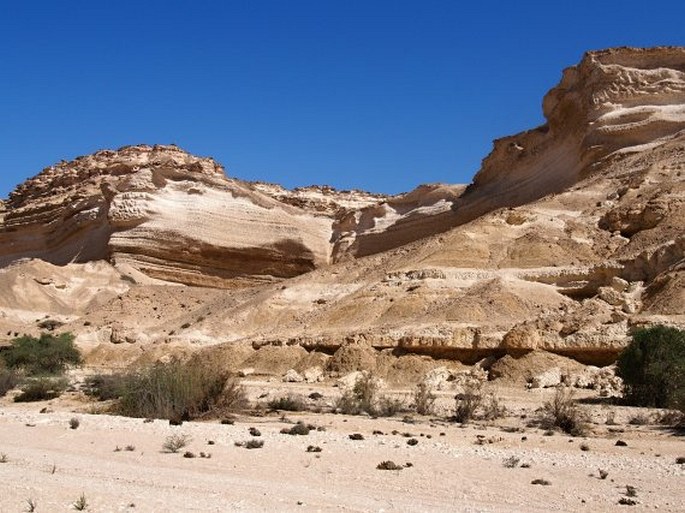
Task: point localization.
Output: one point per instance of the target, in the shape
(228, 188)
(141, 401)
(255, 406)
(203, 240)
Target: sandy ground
(51, 464)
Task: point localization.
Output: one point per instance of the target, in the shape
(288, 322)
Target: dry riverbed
(118, 464)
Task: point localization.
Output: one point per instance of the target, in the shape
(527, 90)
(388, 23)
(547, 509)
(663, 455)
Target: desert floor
(118, 464)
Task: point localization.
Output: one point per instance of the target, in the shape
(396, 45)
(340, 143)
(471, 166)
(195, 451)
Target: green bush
(653, 368)
(178, 391)
(41, 389)
(47, 355)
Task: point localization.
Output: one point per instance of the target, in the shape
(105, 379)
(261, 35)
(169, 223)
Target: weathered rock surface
(164, 212)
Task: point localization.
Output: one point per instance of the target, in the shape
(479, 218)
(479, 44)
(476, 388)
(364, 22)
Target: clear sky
(379, 95)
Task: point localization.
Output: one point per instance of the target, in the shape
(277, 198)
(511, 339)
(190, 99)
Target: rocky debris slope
(164, 212)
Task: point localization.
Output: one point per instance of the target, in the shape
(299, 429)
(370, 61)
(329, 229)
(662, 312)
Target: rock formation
(164, 212)
(570, 236)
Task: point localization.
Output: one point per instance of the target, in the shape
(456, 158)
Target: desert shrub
(104, 387)
(389, 465)
(563, 413)
(298, 429)
(74, 423)
(41, 389)
(468, 402)
(80, 504)
(254, 444)
(47, 355)
(493, 408)
(361, 398)
(287, 403)
(175, 443)
(364, 397)
(178, 391)
(9, 378)
(424, 399)
(511, 462)
(542, 482)
(653, 368)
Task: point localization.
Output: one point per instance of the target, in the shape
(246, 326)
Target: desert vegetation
(46, 355)
(653, 368)
(176, 390)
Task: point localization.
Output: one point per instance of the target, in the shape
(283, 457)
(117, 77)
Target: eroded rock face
(614, 101)
(164, 212)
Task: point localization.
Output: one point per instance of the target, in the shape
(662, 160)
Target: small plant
(542, 482)
(620, 443)
(364, 397)
(356, 436)
(3, 457)
(314, 448)
(631, 491)
(254, 444)
(74, 423)
(412, 442)
(255, 432)
(468, 402)
(563, 413)
(511, 462)
(175, 443)
(603, 474)
(680, 460)
(130, 448)
(584, 447)
(493, 408)
(31, 505)
(188, 454)
(300, 428)
(625, 501)
(389, 465)
(81, 504)
(41, 389)
(424, 399)
(287, 403)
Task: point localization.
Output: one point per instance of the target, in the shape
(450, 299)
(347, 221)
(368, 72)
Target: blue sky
(378, 95)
